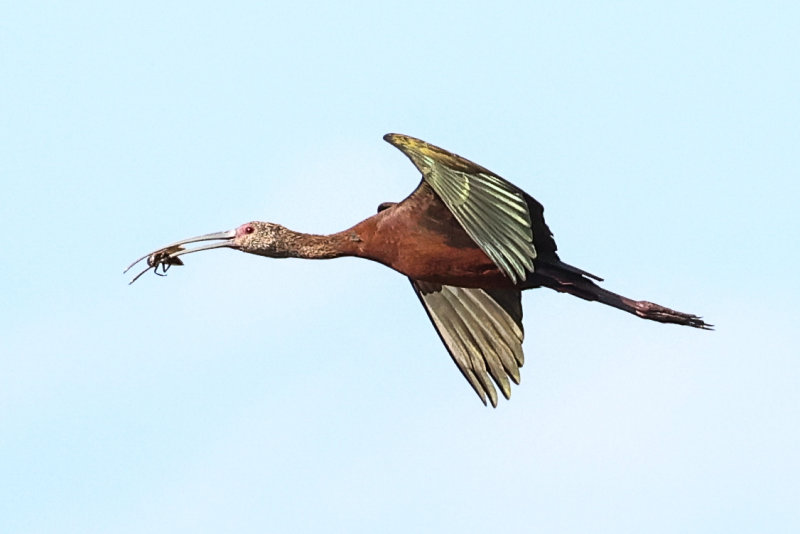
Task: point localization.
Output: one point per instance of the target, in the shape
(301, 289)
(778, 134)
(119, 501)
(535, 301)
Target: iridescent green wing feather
(491, 210)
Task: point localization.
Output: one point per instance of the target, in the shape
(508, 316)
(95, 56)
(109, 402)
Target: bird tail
(568, 279)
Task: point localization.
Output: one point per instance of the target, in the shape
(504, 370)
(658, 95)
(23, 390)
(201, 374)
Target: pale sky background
(242, 394)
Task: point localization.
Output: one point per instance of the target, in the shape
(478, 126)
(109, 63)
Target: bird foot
(655, 312)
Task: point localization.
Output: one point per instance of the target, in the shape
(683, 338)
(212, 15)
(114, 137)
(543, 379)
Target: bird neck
(319, 247)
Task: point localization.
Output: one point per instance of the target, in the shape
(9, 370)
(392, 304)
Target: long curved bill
(168, 256)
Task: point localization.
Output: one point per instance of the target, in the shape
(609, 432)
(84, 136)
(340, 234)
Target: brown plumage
(470, 243)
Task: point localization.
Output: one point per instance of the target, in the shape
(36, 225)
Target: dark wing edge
(481, 329)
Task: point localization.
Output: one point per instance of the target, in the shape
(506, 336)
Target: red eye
(249, 230)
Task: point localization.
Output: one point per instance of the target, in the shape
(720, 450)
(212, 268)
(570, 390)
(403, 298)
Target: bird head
(262, 238)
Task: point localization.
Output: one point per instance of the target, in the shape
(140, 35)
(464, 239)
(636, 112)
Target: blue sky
(241, 394)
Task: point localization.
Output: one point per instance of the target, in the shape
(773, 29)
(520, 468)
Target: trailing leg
(567, 279)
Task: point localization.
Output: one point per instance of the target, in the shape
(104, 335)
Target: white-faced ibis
(470, 243)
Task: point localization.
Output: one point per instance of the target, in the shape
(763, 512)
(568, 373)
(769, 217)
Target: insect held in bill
(160, 258)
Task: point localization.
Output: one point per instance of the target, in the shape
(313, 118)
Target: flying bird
(468, 240)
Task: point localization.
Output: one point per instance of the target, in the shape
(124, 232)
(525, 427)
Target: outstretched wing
(482, 330)
(493, 212)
